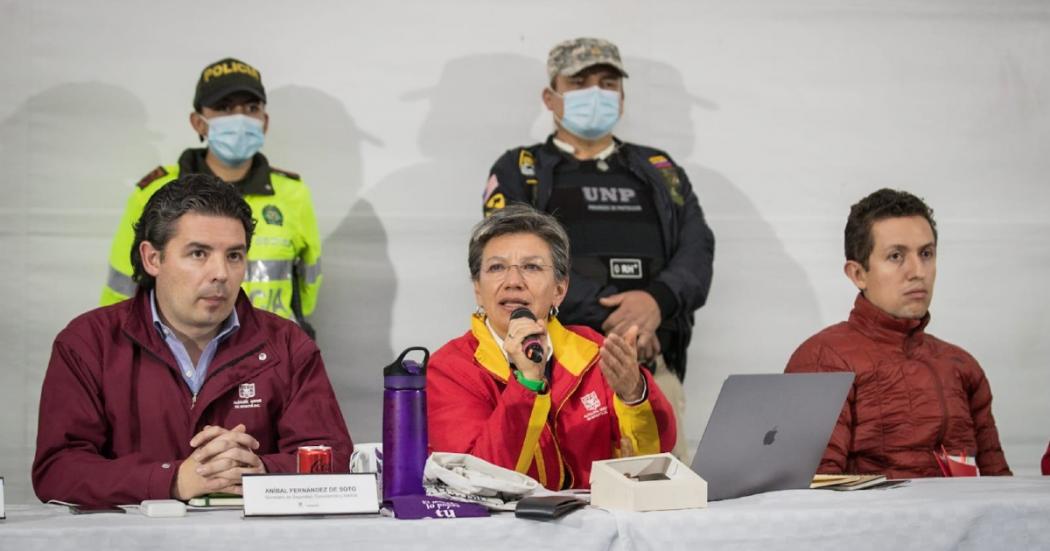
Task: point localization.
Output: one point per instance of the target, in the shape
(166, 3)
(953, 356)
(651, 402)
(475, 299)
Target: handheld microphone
(530, 345)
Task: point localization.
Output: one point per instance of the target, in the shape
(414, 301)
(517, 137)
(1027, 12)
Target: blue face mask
(590, 113)
(235, 138)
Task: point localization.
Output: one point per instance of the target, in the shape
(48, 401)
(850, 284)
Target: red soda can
(314, 459)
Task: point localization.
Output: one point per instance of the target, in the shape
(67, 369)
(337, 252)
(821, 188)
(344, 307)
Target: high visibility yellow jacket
(285, 250)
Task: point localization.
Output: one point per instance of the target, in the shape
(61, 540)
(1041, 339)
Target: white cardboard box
(657, 482)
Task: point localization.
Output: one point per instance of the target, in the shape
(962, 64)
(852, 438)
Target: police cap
(228, 76)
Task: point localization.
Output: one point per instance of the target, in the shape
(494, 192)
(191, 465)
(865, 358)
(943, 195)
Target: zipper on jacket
(554, 422)
(211, 374)
(142, 346)
(940, 393)
(561, 462)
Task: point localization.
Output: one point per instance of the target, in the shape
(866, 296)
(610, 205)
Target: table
(989, 513)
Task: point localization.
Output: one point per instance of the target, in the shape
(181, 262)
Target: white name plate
(2, 515)
(309, 494)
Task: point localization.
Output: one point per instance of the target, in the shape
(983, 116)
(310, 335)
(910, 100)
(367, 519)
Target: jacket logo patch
(526, 163)
(674, 184)
(669, 172)
(611, 199)
(247, 399)
(594, 406)
(496, 202)
(625, 268)
(273, 215)
(659, 161)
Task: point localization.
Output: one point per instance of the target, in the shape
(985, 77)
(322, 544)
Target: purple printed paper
(419, 506)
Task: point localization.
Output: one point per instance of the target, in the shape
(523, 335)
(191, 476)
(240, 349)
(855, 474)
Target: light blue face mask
(235, 138)
(590, 113)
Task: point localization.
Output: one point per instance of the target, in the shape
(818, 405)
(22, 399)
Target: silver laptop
(768, 432)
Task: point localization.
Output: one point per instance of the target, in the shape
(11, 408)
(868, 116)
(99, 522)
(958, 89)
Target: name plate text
(309, 494)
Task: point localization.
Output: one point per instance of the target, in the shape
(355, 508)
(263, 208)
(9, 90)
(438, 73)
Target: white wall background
(783, 114)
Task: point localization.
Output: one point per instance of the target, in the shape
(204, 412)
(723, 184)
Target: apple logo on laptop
(770, 436)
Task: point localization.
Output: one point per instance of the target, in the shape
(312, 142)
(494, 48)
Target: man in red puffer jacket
(913, 392)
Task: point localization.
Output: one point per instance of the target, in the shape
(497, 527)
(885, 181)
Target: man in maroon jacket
(183, 388)
(913, 393)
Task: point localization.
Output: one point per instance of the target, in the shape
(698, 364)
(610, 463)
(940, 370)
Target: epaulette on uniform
(285, 173)
(148, 179)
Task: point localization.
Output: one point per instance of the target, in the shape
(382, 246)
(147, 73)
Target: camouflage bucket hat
(572, 56)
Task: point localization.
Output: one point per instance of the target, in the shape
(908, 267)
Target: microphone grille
(522, 312)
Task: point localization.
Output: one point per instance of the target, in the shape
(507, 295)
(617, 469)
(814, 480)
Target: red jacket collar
(139, 326)
(574, 352)
(877, 325)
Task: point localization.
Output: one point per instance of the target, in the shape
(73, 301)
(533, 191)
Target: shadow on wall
(312, 133)
(78, 147)
(758, 289)
(70, 155)
(478, 109)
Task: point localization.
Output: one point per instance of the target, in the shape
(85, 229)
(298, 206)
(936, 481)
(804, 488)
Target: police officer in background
(284, 262)
(641, 251)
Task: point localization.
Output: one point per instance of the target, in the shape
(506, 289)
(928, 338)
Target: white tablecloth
(990, 513)
(928, 515)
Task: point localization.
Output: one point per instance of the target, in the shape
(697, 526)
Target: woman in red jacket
(528, 393)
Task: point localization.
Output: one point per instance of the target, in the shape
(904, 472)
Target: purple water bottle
(404, 425)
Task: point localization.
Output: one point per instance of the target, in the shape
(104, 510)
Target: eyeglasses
(499, 270)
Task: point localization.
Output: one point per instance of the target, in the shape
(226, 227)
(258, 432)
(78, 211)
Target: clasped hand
(216, 465)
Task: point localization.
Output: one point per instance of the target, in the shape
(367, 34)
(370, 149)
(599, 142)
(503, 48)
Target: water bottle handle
(426, 355)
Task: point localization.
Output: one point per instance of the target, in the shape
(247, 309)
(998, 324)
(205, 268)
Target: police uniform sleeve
(309, 258)
(683, 284)
(119, 284)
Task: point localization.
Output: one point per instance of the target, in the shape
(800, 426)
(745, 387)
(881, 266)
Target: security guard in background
(284, 260)
(641, 251)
